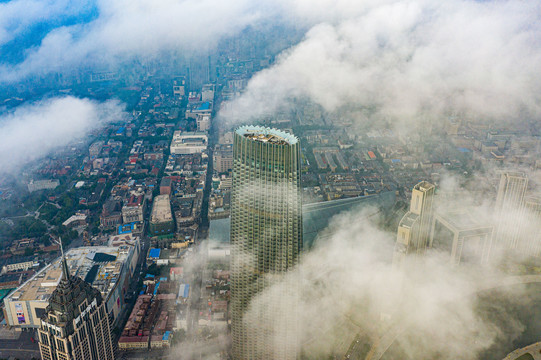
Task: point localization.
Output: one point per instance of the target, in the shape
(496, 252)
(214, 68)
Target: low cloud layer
(404, 60)
(34, 130)
(123, 29)
(348, 287)
(17, 16)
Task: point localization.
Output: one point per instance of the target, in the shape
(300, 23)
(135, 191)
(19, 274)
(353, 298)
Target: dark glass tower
(266, 239)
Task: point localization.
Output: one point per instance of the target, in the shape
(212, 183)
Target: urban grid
(270, 181)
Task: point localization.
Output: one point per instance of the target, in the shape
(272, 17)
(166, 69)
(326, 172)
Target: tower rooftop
(267, 135)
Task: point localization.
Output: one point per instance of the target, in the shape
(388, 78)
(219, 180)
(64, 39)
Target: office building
(207, 92)
(414, 228)
(462, 236)
(203, 122)
(188, 142)
(266, 239)
(510, 209)
(75, 324)
(109, 269)
(223, 158)
(530, 236)
(179, 84)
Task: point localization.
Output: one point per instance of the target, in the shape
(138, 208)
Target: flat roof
(154, 253)
(463, 220)
(161, 209)
(81, 263)
(267, 135)
(424, 186)
(408, 219)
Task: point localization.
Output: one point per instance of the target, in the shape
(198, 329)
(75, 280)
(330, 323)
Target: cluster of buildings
(217, 293)
(466, 234)
(126, 208)
(151, 322)
(108, 269)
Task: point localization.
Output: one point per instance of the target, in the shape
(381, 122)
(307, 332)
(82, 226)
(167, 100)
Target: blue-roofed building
(186, 291)
(154, 254)
(204, 106)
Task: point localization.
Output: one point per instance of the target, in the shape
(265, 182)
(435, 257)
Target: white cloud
(139, 28)
(16, 16)
(349, 287)
(34, 130)
(411, 59)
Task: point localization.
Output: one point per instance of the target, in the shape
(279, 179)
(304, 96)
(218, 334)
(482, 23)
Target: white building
(36, 185)
(207, 93)
(188, 142)
(203, 122)
(19, 266)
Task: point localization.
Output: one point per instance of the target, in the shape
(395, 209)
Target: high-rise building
(530, 236)
(510, 208)
(414, 228)
(462, 235)
(223, 158)
(266, 239)
(75, 324)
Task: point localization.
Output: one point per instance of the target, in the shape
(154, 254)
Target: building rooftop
(423, 186)
(99, 265)
(267, 135)
(464, 220)
(161, 210)
(408, 220)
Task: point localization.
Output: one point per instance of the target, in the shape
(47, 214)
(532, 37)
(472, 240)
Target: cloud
(17, 16)
(347, 286)
(403, 60)
(137, 28)
(34, 130)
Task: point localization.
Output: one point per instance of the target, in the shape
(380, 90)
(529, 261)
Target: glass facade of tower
(266, 239)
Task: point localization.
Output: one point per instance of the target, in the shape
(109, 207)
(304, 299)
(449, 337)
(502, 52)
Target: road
(22, 348)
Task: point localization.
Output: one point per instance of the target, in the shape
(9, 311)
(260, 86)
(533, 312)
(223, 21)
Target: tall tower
(530, 234)
(510, 208)
(75, 324)
(414, 228)
(266, 239)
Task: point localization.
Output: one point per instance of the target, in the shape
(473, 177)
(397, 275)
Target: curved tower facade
(266, 239)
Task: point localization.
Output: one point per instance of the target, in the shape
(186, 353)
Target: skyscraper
(510, 208)
(266, 239)
(530, 236)
(75, 324)
(414, 228)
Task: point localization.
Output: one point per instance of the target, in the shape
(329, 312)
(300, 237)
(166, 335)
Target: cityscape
(232, 180)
